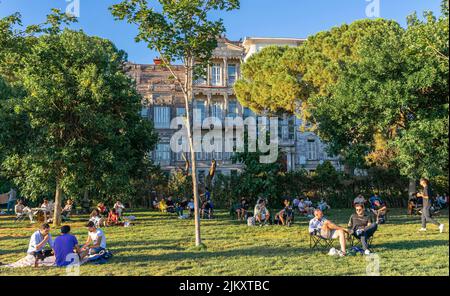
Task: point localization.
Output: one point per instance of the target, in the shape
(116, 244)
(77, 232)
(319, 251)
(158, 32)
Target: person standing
(426, 214)
(11, 201)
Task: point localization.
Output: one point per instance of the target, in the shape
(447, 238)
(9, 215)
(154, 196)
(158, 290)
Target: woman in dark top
(426, 214)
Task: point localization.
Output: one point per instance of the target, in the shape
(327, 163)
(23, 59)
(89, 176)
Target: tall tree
(180, 30)
(82, 111)
(398, 91)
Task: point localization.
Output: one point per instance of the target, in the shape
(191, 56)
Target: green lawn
(161, 244)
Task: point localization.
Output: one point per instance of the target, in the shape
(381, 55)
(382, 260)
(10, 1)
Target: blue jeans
(366, 234)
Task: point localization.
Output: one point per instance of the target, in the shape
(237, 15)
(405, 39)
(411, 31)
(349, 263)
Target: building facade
(214, 97)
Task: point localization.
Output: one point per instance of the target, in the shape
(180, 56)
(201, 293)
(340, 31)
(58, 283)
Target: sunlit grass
(161, 244)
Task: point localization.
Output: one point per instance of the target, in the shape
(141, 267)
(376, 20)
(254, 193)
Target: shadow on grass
(409, 245)
(266, 252)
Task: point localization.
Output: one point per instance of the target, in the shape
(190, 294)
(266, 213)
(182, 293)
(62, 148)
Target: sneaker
(441, 228)
(367, 252)
(423, 229)
(341, 254)
(332, 252)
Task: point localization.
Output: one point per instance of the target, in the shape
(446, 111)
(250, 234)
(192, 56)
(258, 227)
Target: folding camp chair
(356, 241)
(20, 217)
(316, 241)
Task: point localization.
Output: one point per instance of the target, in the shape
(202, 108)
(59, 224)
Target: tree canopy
(78, 122)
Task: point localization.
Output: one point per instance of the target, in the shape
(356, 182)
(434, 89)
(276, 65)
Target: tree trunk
(58, 203)
(411, 187)
(187, 99)
(85, 202)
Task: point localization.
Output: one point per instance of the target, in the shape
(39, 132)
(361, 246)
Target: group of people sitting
(168, 205)
(262, 215)
(362, 225)
(415, 203)
(65, 249)
(44, 213)
(101, 216)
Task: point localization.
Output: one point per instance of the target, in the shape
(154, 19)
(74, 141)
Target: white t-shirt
(94, 237)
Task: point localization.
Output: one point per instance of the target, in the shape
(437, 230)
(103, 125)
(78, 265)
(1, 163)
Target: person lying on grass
(362, 227)
(38, 241)
(328, 230)
(96, 241)
(66, 248)
(261, 213)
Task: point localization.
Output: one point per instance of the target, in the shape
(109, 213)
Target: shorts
(331, 234)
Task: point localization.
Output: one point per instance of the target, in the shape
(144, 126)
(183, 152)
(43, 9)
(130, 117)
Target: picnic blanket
(28, 261)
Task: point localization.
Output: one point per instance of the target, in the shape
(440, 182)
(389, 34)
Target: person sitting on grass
(180, 207)
(362, 226)
(119, 207)
(286, 215)
(191, 207)
(162, 205)
(378, 208)
(242, 209)
(96, 218)
(102, 210)
(38, 241)
(328, 230)
(20, 209)
(66, 247)
(359, 200)
(261, 213)
(170, 205)
(67, 209)
(207, 208)
(96, 241)
(323, 206)
(113, 218)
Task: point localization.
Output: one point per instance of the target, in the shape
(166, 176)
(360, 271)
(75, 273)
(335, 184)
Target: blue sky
(259, 18)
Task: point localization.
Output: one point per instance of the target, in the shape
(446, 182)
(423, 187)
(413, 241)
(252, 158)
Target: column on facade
(225, 107)
(225, 72)
(208, 75)
(208, 105)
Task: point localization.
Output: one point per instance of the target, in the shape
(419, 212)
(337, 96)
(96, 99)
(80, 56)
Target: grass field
(161, 244)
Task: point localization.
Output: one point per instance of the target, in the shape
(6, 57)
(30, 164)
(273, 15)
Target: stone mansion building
(214, 96)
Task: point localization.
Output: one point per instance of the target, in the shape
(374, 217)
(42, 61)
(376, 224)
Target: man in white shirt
(96, 241)
(38, 241)
(20, 209)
